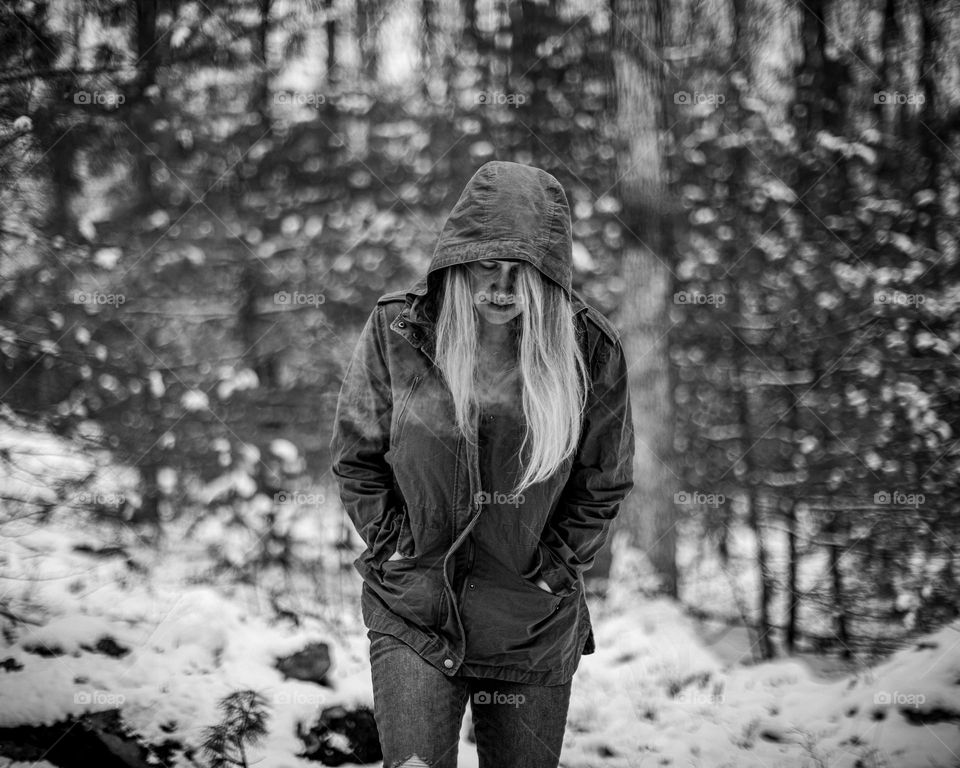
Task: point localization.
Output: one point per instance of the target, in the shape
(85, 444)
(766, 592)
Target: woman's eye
(488, 264)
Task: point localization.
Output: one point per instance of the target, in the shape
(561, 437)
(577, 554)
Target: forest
(202, 200)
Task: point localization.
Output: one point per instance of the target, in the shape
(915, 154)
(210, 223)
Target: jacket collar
(418, 329)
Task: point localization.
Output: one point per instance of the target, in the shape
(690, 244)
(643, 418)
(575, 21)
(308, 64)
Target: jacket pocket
(512, 622)
(538, 562)
(533, 574)
(406, 546)
(410, 591)
(400, 420)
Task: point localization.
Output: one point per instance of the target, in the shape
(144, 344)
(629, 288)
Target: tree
(637, 49)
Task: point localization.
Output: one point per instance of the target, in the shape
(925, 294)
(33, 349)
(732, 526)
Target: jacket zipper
(466, 576)
(463, 534)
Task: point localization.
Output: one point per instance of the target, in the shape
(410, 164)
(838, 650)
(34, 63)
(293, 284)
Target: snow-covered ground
(654, 693)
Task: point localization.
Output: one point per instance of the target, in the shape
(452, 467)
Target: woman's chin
(497, 316)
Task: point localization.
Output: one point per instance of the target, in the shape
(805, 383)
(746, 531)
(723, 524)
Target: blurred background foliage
(201, 201)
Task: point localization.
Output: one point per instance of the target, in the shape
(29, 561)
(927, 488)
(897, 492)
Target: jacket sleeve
(600, 478)
(361, 437)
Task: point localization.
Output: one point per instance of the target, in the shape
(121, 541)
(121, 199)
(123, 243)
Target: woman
(483, 443)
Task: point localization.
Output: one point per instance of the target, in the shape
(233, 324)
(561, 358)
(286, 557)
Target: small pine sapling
(244, 724)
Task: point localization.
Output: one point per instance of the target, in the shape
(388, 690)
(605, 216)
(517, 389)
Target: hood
(510, 210)
(506, 210)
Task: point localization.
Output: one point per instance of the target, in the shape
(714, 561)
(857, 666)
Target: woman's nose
(505, 277)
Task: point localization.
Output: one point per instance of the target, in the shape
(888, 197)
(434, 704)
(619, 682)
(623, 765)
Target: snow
(235, 482)
(30, 458)
(195, 400)
(653, 688)
(583, 261)
(775, 713)
(232, 380)
(658, 690)
(68, 633)
(157, 388)
(284, 450)
(107, 258)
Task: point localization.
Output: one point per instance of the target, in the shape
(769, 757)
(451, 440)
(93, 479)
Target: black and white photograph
(480, 383)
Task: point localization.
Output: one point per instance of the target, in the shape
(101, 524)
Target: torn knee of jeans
(414, 761)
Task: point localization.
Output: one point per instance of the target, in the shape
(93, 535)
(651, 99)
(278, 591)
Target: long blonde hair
(552, 369)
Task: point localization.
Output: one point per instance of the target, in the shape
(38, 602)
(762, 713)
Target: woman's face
(492, 282)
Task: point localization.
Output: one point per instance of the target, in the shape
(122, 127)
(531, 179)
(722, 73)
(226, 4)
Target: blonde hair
(553, 372)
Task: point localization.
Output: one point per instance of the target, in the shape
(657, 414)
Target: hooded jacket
(411, 484)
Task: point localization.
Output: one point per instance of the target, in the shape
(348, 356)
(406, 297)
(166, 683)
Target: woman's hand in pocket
(543, 585)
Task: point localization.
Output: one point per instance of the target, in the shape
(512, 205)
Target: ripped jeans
(419, 711)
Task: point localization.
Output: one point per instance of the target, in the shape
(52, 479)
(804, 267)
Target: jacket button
(448, 663)
(401, 324)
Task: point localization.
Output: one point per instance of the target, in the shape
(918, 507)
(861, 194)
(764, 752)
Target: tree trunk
(367, 30)
(331, 26)
(649, 518)
(141, 113)
(263, 78)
